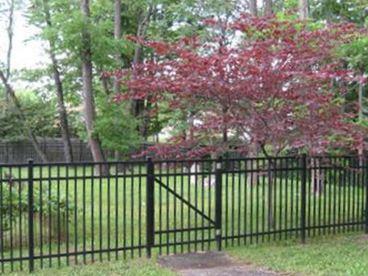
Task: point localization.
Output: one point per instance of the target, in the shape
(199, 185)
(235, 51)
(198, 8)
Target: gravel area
(210, 263)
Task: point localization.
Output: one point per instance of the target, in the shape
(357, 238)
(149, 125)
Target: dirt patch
(362, 241)
(363, 238)
(210, 263)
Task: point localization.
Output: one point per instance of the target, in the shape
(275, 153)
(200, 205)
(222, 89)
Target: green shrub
(50, 206)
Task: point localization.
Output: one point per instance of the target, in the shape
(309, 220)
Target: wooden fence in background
(17, 152)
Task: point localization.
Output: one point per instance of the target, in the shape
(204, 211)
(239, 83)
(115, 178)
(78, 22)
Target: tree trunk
(303, 9)
(117, 36)
(10, 38)
(63, 119)
(89, 105)
(105, 82)
(360, 117)
(190, 133)
(268, 10)
(253, 7)
(317, 176)
(271, 191)
(118, 59)
(254, 176)
(32, 137)
(10, 43)
(360, 101)
(225, 137)
(138, 106)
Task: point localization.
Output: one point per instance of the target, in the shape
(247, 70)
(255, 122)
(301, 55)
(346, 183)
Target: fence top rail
(76, 164)
(173, 161)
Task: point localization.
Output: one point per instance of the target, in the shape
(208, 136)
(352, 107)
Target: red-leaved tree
(278, 86)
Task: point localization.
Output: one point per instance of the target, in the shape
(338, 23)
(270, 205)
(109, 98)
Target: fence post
(150, 190)
(218, 200)
(303, 197)
(30, 216)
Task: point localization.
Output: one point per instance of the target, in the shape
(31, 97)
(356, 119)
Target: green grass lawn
(325, 255)
(328, 255)
(137, 267)
(345, 254)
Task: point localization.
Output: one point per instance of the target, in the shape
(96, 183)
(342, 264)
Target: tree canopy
(275, 88)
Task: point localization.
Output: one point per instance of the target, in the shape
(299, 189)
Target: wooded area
(259, 77)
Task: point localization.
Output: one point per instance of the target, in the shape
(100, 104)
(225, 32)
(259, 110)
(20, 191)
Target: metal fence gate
(183, 206)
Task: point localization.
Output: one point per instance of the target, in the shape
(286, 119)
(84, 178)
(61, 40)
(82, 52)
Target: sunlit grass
(136, 267)
(325, 255)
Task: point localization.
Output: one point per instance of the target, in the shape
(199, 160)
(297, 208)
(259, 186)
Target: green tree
(40, 115)
(117, 128)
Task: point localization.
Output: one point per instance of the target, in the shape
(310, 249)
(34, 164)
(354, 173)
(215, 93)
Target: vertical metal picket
(218, 200)
(303, 196)
(30, 216)
(150, 234)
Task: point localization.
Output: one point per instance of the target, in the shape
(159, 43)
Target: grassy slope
(331, 255)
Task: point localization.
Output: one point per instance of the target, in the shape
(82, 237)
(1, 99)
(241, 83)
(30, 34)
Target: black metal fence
(62, 214)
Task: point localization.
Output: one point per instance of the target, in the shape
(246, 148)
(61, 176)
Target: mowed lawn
(137, 267)
(343, 254)
(108, 214)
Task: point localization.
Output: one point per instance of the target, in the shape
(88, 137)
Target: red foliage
(274, 87)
